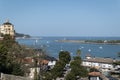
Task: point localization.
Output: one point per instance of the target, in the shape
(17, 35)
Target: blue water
(53, 48)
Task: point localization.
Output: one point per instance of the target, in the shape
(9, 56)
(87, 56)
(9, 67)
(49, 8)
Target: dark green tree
(64, 56)
(117, 62)
(93, 70)
(57, 71)
(77, 70)
(9, 62)
(70, 76)
(3, 57)
(17, 70)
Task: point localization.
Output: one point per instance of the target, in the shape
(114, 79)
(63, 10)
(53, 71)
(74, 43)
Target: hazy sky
(63, 17)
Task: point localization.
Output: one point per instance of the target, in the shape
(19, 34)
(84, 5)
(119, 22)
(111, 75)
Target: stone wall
(13, 77)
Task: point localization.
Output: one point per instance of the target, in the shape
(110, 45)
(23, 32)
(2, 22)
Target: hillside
(22, 35)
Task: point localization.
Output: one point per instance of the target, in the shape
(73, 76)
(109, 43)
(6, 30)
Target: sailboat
(61, 49)
(36, 41)
(100, 47)
(89, 50)
(47, 42)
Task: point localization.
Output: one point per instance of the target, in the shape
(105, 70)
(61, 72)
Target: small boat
(100, 47)
(82, 47)
(47, 42)
(61, 49)
(89, 50)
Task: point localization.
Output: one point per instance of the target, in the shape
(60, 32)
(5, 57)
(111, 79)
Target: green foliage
(74, 64)
(22, 35)
(48, 76)
(118, 54)
(3, 57)
(58, 69)
(9, 58)
(70, 76)
(77, 70)
(116, 63)
(93, 69)
(64, 56)
(78, 52)
(17, 70)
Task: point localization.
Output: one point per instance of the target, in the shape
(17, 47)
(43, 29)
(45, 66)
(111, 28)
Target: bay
(53, 48)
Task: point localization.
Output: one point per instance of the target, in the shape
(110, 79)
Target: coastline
(90, 42)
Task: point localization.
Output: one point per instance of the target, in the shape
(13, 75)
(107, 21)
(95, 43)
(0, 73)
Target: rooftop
(94, 74)
(7, 22)
(100, 60)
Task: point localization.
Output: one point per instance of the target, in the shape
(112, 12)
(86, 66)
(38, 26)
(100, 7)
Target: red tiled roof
(94, 74)
(44, 61)
(28, 60)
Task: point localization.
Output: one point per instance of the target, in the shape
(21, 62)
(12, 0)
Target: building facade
(104, 64)
(7, 28)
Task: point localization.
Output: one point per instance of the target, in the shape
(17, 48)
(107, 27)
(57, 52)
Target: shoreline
(89, 42)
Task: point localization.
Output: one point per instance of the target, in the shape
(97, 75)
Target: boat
(82, 47)
(89, 50)
(47, 42)
(100, 47)
(61, 49)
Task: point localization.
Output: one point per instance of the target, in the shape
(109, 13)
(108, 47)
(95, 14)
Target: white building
(32, 72)
(7, 28)
(104, 64)
(51, 64)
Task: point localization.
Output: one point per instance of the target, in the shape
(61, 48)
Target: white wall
(95, 64)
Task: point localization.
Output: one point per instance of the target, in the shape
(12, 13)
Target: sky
(63, 17)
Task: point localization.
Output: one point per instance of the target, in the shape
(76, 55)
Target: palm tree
(78, 52)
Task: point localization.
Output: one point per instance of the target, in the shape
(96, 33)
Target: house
(94, 76)
(103, 64)
(7, 28)
(51, 64)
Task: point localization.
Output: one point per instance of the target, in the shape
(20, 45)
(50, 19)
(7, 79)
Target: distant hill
(22, 35)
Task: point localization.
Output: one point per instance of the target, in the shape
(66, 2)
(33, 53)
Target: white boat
(82, 47)
(47, 42)
(36, 41)
(61, 49)
(100, 47)
(89, 50)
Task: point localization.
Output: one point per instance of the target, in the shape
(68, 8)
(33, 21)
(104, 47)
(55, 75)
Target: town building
(94, 76)
(103, 64)
(7, 28)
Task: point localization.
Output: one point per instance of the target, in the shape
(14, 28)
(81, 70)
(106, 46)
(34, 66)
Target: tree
(8, 62)
(17, 70)
(117, 62)
(78, 52)
(77, 70)
(57, 71)
(64, 56)
(70, 76)
(3, 57)
(118, 54)
(93, 70)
